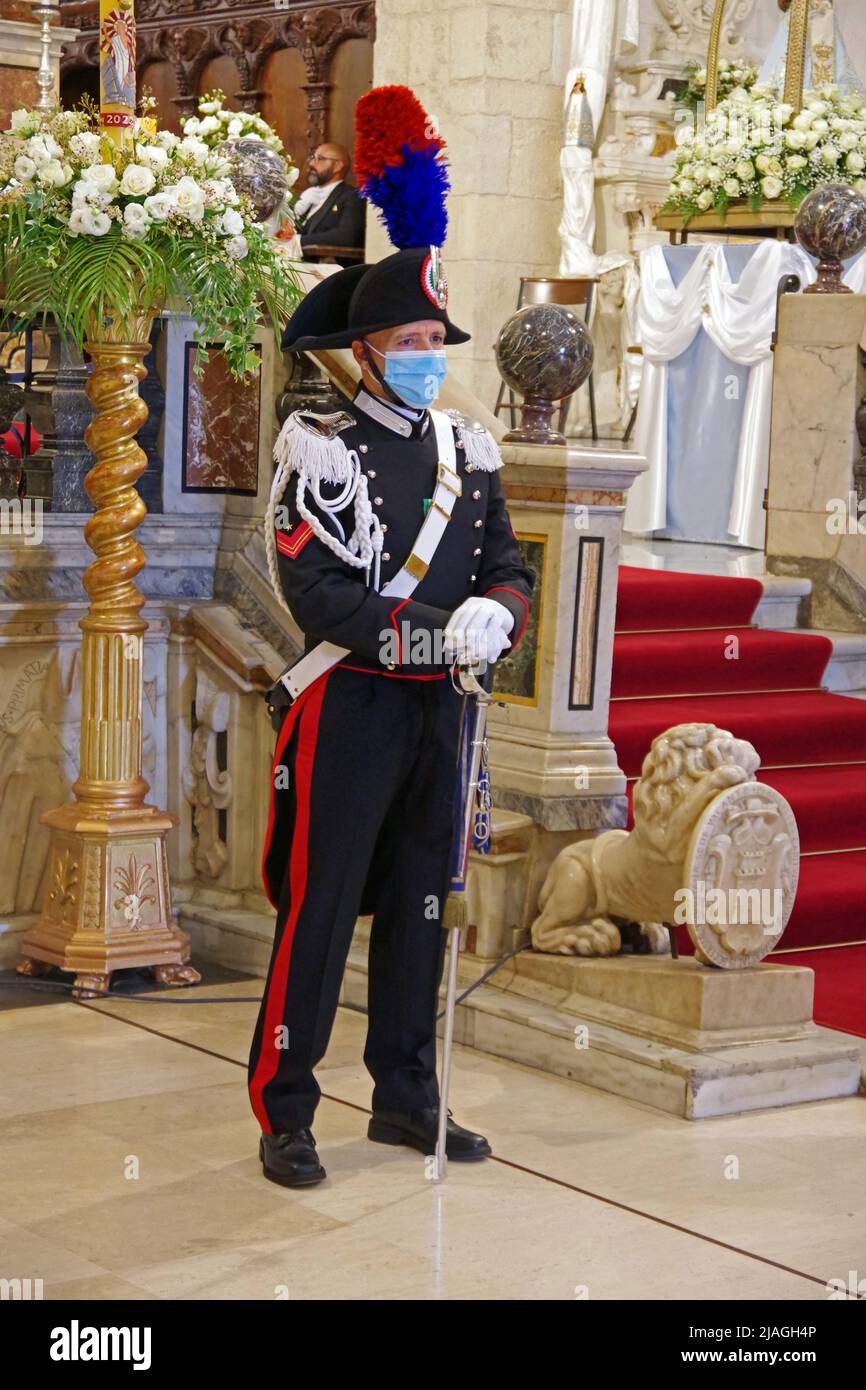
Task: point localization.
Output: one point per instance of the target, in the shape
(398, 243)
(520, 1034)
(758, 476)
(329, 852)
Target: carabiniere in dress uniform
(390, 546)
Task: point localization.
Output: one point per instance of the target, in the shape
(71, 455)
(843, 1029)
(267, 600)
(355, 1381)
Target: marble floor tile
(578, 1198)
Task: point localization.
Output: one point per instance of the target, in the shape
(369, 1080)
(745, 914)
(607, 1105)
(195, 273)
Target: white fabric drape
(601, 30)
(739, 318)
(668, 319)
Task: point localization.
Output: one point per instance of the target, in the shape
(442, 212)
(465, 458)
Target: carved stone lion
(597, 887)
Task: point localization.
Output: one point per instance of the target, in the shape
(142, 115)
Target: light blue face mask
(416, 377)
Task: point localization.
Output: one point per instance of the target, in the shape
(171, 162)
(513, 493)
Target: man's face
(425, 335)
(321, 167)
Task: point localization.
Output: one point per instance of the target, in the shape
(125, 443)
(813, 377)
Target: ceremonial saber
(473, 729)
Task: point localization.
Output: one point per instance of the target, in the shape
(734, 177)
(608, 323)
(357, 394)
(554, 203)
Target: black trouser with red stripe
(367, 815)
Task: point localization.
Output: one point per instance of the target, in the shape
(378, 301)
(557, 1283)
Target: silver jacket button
(477, 523)
(378, 501)
(476, 496)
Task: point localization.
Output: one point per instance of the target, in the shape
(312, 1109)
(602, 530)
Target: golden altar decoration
(773, 216)
(107, 902)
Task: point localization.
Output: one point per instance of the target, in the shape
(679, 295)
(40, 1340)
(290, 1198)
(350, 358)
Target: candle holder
(46, 12)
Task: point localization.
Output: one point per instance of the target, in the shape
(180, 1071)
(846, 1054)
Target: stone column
(815, 523)
(553, 768)
(491, 75)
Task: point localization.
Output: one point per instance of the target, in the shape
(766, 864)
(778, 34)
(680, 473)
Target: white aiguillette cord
(449, 487)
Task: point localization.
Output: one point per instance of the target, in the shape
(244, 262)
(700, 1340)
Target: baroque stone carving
(707, 837)
(206, 786)
(688, 24)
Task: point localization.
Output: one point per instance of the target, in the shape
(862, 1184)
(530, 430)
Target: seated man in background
(331, 210)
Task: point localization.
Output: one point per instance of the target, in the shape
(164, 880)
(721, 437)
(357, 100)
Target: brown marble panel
(17, 88)
(221, 428)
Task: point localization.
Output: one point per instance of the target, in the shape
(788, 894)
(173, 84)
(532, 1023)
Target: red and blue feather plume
(401, 167)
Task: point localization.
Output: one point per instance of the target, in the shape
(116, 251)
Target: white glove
(477, 632)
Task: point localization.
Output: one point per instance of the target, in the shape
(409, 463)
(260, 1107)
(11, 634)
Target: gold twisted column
(108, 901)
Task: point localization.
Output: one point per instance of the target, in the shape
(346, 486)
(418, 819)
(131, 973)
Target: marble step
(780, 605)
(846, 670)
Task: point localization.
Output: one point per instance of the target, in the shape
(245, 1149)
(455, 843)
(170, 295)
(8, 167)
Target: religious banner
(117, 68)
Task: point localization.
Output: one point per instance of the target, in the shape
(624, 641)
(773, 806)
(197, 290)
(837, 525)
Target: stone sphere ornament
(831, 225)
(259, 172)
(544, 353)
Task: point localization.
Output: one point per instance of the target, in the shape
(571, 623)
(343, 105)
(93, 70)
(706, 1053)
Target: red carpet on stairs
(684, 652)
(840, 999)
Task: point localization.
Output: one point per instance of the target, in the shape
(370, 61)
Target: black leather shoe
(291, 1159)
(418, 1129)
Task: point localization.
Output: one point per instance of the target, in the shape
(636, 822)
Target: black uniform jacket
(339, 221)
(478, 554)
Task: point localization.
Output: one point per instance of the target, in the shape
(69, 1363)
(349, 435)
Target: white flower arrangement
(215, 124)
(731, 75)
(88, 231)
(754, 148)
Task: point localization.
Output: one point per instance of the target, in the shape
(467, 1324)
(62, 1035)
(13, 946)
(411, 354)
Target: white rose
(86, 146)
(24, 168)
(802, 120)
(237, 247)
(103, 177)
(52, 173)
(152, 157)
(716, 176)
(687, 187)
(795, 139)
(137, 180)
(191, 126)
(830, 156)
(76, 221)
(189, 199)
(231, 223)
(745, 171)
(208, 124)
(235, 128)
(848, 141)
(194, 149)
(167, 140)
(159, 205)
(701, 174)
(812, 139)
(855, 163)
(762, 163)
(732, 187)
(705, 200)
(208, 107)
(772, 187)
(796, 161)
(822, 127)
(23, 122)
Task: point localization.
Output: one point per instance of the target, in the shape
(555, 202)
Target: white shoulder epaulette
(311, 444)
(482, 451)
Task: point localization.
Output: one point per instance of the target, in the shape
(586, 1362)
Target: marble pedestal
(551, 759)
(816, 522)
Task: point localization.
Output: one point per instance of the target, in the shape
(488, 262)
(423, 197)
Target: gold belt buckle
(448, 478)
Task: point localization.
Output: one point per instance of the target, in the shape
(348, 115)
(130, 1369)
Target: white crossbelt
(448, 488)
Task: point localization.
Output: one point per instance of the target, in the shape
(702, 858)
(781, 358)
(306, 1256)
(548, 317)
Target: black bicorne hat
(363, 299)
(401, 169)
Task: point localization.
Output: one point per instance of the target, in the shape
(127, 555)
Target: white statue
(711, 847)
(827, 57)
(601, 30)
